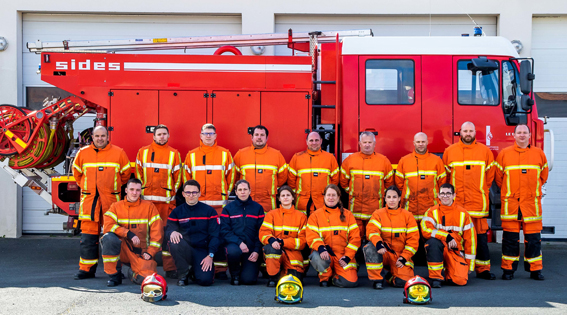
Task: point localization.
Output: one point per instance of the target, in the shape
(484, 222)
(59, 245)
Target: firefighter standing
(451, 240)
(240, 223)
(365, 175)
(334, 237)
(100, 169)
(283, 234)
(193, 233)
(419, 175)
(393, 240)
(158, 166)
(521, 172)
(263, 167)
(470, 170)
(133, 234)
(212, 166)
(310, 171)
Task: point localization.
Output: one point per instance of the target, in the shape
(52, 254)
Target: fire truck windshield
(478, 87)
(511, 93)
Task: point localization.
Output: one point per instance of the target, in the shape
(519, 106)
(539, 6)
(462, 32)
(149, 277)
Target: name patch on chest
(100, 168)
(209, 172)
(156, 170)
(524, 171)
(315, 174)
(286, 232)
(260, 171)
(468, 167)
(367, 176)
(336, 232)
(422, 177)
(133, 226)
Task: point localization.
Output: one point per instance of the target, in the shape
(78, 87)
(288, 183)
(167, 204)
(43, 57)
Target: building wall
(514, 21)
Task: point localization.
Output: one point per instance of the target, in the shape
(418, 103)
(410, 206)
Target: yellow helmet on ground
(289, 290)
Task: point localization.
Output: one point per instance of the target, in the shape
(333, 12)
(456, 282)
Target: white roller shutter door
(549, 48)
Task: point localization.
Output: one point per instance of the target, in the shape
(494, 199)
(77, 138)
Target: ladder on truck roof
(193, 42)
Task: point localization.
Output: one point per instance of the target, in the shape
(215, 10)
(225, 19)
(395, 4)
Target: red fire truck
(345, 83)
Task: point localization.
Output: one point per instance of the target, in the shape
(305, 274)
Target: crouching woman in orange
(393, 240)
(283, 234)
(334, 237)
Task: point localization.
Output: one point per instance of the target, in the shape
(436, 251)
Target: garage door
(57, 27)
(385, 25)
(549, 48)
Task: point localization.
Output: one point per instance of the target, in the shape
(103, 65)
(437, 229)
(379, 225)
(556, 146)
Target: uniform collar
(290, 210)
(467, 146)
(314, 152)
(132, 204)
(104, 149)
(393, 211)
(446, 209)
(421, 156)
(156, 146)
(367, 156)
(517, 148)
(208, 149)
(242, 203)
(259, 151)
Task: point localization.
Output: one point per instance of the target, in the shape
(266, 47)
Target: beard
(472, 139)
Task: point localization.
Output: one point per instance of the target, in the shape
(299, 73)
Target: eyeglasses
(445, 194)
(191, 193)
(208, 134)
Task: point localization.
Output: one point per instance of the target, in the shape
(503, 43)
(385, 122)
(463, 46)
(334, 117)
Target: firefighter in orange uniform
(419, 175)
(263, 167)
(393, 240)
(365, 175)
(158, 166)
(283, 236)
(521, 172)
(211, 165)
(100, 169)
(470, 170)
(451, 240)
(133, 234)
(334, 237)
(310, 171)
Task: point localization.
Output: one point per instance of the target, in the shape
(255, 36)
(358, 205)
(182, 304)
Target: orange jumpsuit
(309, 173)
(520, 173)
(288, 225)
(159, 169)
(470, 170)
(100, 173)
(419, 176)
(265, 169)
(126, 219)
(213, 168)
(398, 229)
(325, 228)
(439, 226)
(365, 177)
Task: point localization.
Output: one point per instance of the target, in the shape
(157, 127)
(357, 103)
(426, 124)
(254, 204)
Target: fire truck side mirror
(526, 77)
(526, 102)
(250, 130)
(483, 64)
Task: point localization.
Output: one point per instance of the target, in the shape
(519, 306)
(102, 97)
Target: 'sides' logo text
(87, 65)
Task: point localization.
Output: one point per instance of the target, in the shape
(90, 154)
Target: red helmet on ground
(154, 288)
(417, 291)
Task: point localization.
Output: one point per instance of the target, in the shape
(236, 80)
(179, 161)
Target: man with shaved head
(521, 171)
(470, 170)
(100, 169)
(419, 176)
(310, 171)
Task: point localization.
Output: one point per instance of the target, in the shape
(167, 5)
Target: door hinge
(110, 93)
(213, 95)
(206, 95)
(110, 128)
(307, 96)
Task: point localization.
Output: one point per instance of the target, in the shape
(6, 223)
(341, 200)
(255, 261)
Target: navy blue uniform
(199, 226)
(241, 222)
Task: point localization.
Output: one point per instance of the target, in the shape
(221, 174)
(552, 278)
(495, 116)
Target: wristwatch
(211, 255)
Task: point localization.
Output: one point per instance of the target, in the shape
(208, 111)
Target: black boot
(378, 285)
(134, 277)
(235, 280)
(183, 278)
(508, 275)
(83, 275)
(324, 284)
(172, 274)
(115, 279)
(486, 275)
(272, 281)
(536, 275)
(435, 283)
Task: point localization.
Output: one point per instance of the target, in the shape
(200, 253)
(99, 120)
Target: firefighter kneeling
(126, 240)
(393, 240)
(449, 232)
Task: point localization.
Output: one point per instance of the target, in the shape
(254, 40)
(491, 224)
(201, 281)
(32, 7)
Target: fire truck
(339, 83)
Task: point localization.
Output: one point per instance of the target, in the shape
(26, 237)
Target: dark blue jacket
(241, 222)
(199, 225)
